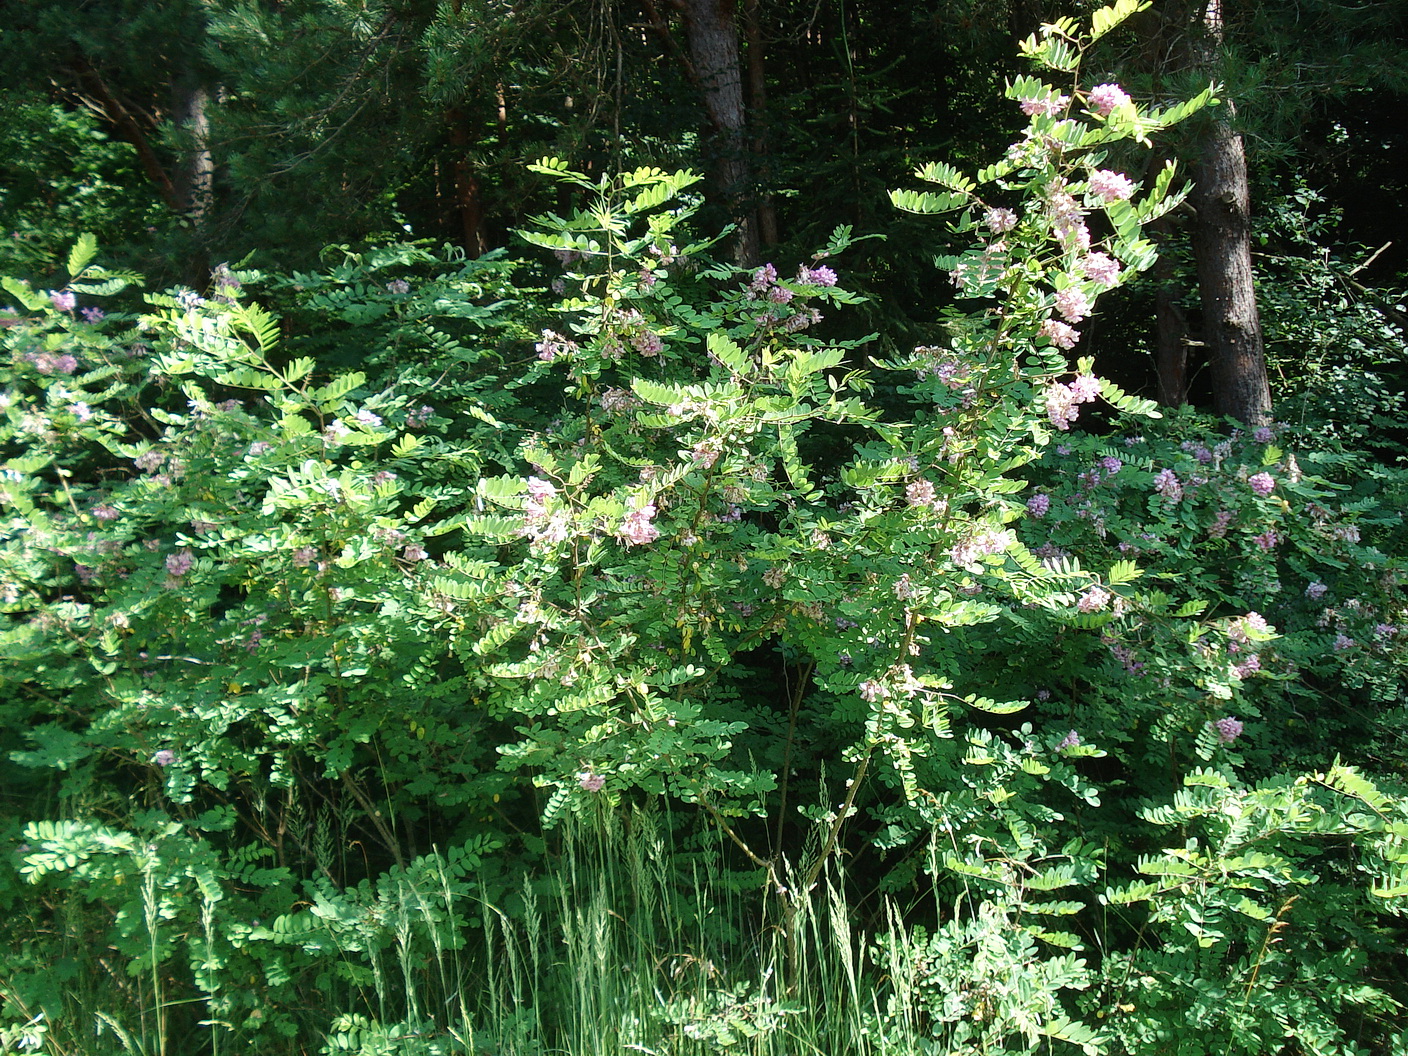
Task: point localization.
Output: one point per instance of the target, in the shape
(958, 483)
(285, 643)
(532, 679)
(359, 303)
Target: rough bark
(1222, 252)
(195, 190)
(711, 36)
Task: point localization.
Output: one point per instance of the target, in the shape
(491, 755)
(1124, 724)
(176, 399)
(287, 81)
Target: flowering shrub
(264, 610)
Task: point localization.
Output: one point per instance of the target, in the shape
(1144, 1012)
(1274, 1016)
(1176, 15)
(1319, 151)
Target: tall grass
(622, 942)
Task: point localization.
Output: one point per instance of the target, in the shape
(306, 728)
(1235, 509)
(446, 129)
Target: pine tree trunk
(711, 34)
(1222, 252)
(468, 197)
(195, 190)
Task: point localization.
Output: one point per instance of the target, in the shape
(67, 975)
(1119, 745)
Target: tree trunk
(195, 193)
(711, 34)
(1172, 344)
(1222, 252)
(757, 112)
(469, 202)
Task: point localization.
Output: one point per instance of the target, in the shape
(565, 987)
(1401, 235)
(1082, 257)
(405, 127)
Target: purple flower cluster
(1228, 729)
(1262, 484)
(47, 364)
(1073, 305)
(1167, 484)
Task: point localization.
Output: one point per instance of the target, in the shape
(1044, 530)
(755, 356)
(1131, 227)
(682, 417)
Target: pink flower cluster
(553, 345)
(1228, 729)
(1045, 105)
(1167, 484)
(1105, 99)
(1111, 186)
(999, 221)
(1073, 304)
(1263, 484)
(636, 528)
(1101, 268)
(1062, 401)
(1243, 628)
(1096, 599)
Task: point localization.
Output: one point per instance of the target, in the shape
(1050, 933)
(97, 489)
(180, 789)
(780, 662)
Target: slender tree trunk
(1172, 346)
(711, 35)
(469, 202)
(195, 192)
(1222, 251)
(757, 113)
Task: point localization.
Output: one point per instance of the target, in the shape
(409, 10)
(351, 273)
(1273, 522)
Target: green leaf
(82, 254)
(1107, 18)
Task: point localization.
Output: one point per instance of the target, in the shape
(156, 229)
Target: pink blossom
(636, 528)
(822, 276)
(1220, 524)
(1096, 599)
(1267, 540)
(1228, 729)
(919, 493)
(1073, 304)
(1045, 105)
(1263, 484)
(999, 221)
(1111, 186)
(1038, 504)
(1105, 99)
(1244, 628)
(871, 691)
(105, 512)
(1086, 388)
(179, 563)
(165, 757)
(1101, 268)
(1061, 407)
(1071, 740)
(1316, 590)
(1059, 334)
(540, 490)
(1247, 667)
(647, 343)
(591, 782)
(1167, 484)
(63, 300)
